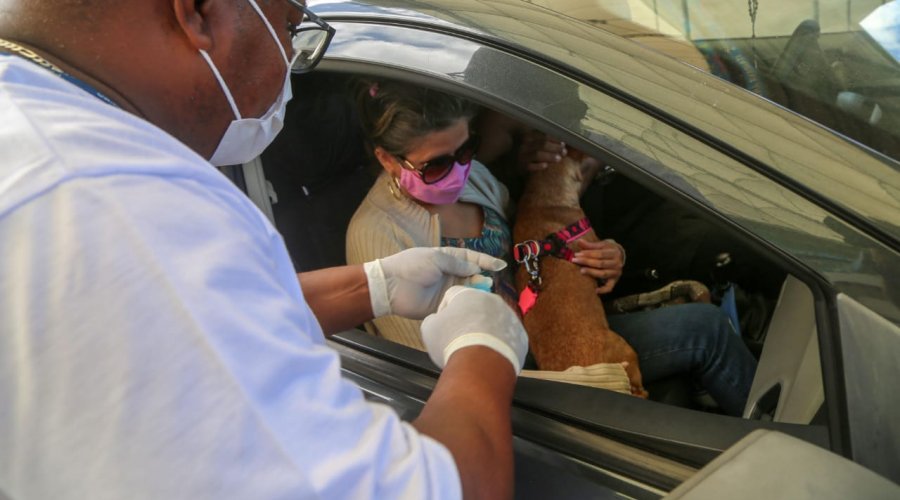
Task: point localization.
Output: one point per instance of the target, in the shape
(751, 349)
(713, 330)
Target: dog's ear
(578, 157)
(574, 154)
(578, 172)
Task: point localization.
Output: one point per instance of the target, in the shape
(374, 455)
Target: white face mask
(246, 138)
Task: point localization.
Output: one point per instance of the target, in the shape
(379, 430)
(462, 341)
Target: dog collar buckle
(526, 250)
(528, 253)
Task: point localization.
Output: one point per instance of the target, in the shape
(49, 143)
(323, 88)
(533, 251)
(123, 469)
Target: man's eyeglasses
(435, 169)
(309, 39)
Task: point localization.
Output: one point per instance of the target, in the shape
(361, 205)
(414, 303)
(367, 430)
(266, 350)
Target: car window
(722, 265)
(833, 61)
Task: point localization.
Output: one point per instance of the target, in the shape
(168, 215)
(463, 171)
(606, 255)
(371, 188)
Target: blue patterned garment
(495, 240)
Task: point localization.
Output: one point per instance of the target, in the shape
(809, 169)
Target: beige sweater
(384, 225)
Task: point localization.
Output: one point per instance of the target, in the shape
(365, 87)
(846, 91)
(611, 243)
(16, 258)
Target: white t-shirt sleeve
(156, 345)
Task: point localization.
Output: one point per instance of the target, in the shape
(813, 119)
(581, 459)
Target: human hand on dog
(538, 151)
(602, 260)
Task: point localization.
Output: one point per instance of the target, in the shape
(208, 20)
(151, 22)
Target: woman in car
(432, 192)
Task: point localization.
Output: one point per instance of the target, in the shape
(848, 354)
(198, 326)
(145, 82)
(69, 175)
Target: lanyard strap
(28, 54)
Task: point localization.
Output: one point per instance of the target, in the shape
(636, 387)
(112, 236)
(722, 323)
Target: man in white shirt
(154, 341)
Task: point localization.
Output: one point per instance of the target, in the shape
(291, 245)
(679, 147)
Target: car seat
(319, 171)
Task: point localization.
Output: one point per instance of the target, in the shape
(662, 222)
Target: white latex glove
(411, 283)
(468, 317)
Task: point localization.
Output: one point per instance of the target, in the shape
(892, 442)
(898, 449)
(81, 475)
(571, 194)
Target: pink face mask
(442, 192)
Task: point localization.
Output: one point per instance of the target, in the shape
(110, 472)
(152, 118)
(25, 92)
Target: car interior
(824, 66)
(842, 80)
(317, 172)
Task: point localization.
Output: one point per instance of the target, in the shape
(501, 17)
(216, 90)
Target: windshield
(883, 25)
(833, 61)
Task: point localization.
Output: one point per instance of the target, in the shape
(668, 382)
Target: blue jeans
(694, 339)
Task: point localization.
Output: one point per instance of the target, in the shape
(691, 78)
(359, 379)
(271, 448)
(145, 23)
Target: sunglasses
(435, 169)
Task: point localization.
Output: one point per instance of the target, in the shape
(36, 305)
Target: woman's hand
(538, 151)
(602, 260)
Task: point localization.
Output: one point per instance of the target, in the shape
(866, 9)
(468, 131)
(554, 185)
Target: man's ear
(191, 16)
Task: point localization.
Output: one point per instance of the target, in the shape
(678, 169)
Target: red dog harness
(530, 252)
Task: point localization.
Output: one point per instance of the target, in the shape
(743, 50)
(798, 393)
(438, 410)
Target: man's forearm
(338, 296)
(469, 412)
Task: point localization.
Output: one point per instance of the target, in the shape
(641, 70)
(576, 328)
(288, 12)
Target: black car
(746, 156)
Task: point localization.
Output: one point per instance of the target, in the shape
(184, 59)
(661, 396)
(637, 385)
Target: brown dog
(567, 325)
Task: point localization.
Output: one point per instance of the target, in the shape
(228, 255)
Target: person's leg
(692, 338)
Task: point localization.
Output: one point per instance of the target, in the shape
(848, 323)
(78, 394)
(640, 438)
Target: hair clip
(373, 90)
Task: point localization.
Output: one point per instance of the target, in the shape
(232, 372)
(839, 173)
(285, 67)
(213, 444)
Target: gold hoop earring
(394, 187)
